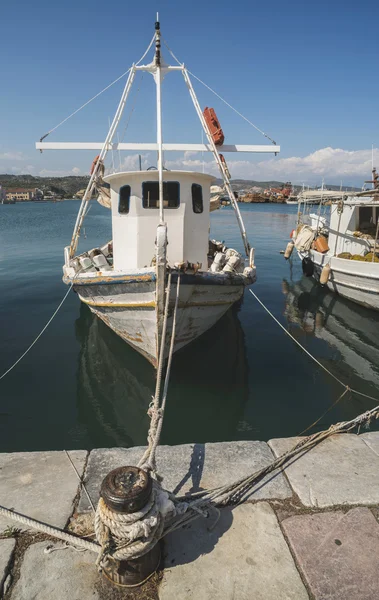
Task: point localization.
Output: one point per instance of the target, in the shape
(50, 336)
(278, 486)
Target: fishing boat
(292, 198)
(160, 232)
(338, 244)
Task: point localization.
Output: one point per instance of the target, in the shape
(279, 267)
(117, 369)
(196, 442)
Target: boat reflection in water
(347, 327)
(208, 384)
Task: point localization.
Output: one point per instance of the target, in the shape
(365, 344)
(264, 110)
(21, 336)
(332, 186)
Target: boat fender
(307, 266)
(325, 274)
(218, 263)
(250, 273)
(293, 234)
(288, 250)
(251, 257)
(233, 263)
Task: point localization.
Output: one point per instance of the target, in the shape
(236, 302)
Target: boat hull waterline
(128, 306)
(357, 281)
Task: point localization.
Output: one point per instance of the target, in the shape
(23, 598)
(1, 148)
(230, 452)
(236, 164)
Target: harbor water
(81, 386)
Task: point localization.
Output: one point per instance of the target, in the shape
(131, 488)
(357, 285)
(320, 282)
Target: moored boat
(339, 243)
(160, 255)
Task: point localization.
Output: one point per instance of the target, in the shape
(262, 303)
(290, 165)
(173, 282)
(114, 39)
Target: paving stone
(371, 438)
(244, 557)
(190, 467)
(41, 485)
(6, 551)
(63, 574)
(338, 553)
(340, 470)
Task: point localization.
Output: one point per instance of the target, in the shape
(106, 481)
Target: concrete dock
(311, 531)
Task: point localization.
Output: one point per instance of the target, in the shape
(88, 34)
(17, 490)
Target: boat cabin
(351, 230)
(135, 216)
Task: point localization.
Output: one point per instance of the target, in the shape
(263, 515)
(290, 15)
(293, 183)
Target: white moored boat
(339, 244)
(160, 229)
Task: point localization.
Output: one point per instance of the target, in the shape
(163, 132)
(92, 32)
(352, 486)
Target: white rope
(159, 425)
(49, 530)
(39, 335)
(295, 340)
(146, 51)
(85, 104)
(98, 94)
(153, 410)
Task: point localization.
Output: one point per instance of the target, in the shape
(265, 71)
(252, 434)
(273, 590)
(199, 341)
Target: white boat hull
(356, 280)
(128, 306)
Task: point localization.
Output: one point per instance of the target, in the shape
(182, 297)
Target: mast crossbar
(153, 146)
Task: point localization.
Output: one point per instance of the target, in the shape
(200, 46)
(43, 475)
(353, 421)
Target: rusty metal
(127, 490)
(133, 573)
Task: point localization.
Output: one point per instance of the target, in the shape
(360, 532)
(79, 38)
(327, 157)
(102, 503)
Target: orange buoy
(288, 250)
(325, 273)
(214, 126)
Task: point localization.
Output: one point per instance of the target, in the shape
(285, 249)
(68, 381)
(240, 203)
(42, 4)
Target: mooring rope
(309, 354)
(41, 332)
(191, 506)
(128, 536)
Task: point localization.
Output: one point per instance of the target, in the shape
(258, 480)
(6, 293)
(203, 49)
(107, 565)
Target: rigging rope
(99, 93)
(85, 104)
(218, 95)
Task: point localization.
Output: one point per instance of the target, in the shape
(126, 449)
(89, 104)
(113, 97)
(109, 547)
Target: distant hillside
(62, 186)
(244, 184)
(68, 186)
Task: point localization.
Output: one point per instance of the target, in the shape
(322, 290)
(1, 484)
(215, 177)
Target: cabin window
(124, 200)
(368, 217)
(150, 194)
(197, 198)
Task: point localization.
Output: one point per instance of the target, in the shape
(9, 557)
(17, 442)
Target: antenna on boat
(157, 42)
(158, 81)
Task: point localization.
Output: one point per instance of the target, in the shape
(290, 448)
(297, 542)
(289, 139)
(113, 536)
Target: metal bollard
(127, 490)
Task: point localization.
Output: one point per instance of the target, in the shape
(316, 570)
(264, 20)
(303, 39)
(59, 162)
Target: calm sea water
(83, 387)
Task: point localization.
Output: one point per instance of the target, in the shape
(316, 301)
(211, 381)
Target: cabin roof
(153, 174)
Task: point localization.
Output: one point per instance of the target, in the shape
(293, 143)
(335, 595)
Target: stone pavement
(312, 532)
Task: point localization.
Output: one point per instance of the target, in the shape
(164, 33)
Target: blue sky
(304, 73)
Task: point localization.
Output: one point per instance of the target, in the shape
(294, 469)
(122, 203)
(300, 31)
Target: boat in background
(339, 243)
(160, 234)
(293, 197)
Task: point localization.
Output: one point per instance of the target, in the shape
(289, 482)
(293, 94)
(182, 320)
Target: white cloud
(131, 162)
(333, 164)
(12, 156)
(190, 154)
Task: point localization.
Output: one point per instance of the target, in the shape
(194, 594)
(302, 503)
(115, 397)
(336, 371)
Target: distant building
(20, 194)
(3, 193)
